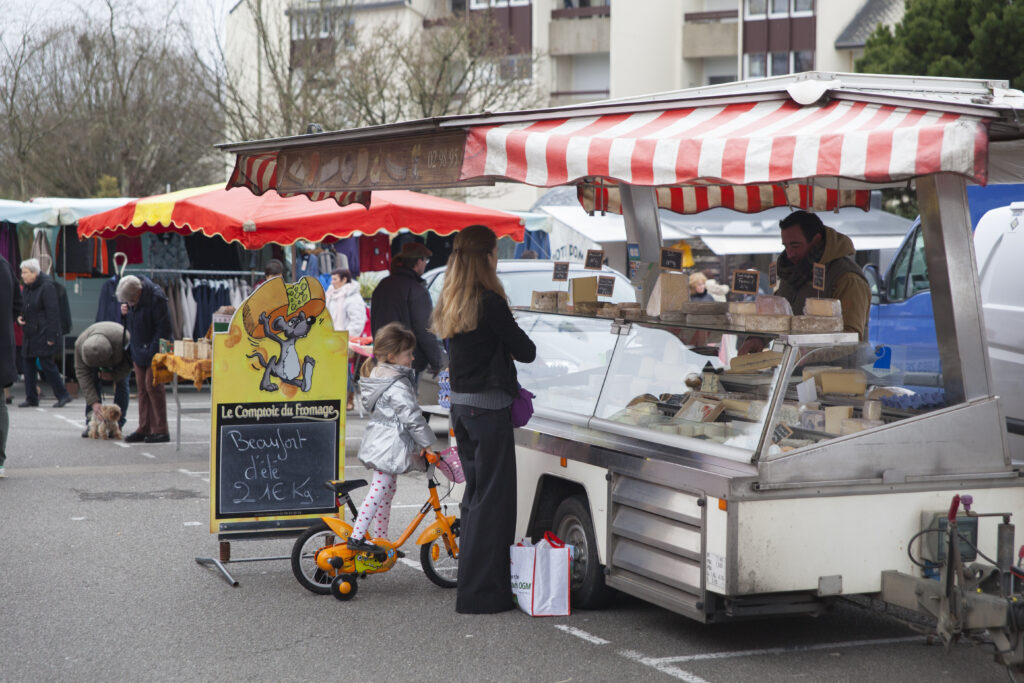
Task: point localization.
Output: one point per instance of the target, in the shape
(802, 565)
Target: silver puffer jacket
(397, 429)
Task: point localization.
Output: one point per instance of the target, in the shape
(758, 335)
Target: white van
(999, 247)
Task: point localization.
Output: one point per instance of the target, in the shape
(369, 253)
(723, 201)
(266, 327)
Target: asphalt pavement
(98, 582)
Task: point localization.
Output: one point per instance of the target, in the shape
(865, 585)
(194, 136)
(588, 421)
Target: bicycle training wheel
(309, 575)
(439, 564)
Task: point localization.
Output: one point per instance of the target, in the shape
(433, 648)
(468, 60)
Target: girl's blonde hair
(696, 280)
(468, 274)
(390, 340)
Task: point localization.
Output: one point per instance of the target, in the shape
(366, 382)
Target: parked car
(902, 319)
(520, 278)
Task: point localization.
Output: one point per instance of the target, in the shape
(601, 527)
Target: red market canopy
(254, 221)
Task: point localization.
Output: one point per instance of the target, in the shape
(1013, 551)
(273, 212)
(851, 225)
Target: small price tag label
(560, 272)
(745, 281)
(818, 277)
(781, 431)
(594, 260)
(605, 285)
(671, 259)
(773, 274)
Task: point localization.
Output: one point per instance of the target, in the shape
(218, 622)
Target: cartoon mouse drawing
(286, 366)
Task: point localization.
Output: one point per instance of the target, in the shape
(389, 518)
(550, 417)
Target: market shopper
(101, 354)
(348, 312)
(806, 241)
(10, 309)
(396, 435)
(40, 321)
(698, 288)
(484, 340)
(148, 321)
(402, 297)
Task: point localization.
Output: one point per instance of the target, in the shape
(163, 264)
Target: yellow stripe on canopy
(157, 210)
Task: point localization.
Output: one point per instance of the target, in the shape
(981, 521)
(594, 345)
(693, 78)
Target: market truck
(783, 481)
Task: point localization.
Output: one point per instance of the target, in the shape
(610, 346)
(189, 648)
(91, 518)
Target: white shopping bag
(541, 576)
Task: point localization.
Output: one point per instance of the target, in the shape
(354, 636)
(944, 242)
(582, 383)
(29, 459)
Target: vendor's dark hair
(809, 223)
(273, 267)
(343, 273)
(390, 340)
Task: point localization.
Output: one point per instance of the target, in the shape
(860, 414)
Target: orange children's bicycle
(323, 563)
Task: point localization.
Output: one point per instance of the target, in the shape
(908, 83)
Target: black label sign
(773, 274)
(605, 285)
(781, 431)
(745, 281)
(273, 458)
(595, 257)
(818, 277)
(561, 272)
(671, 259)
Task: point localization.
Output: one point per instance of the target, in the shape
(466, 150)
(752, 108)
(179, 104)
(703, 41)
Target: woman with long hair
(483, 341)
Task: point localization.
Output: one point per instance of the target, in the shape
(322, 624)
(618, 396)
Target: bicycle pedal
(399, 554)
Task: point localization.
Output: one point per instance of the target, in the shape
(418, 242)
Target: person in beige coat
(101, 355)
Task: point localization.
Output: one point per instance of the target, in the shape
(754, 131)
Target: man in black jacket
(402, 297)
(148, 321)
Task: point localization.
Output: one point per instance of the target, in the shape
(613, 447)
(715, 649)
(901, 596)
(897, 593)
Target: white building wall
(646, 45)
(828, 27)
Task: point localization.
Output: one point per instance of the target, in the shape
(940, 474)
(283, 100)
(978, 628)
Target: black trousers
(488, 514)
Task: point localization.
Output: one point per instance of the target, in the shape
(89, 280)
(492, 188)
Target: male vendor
(808, 241)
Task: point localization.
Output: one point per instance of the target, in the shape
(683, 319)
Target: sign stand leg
(225, 558)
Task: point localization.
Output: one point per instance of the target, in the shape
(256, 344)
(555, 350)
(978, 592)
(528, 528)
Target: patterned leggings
(376, 506)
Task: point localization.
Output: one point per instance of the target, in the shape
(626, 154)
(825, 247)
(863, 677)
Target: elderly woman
(348, 311)
(40, 320)
(149, 320)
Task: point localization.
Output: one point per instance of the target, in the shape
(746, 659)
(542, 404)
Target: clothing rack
(252, 274)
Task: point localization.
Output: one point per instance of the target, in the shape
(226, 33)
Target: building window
(756, 9)
(802, 7)
(779, 8)
(803, 60)
(484, 4)
(757, 65)
(779, 63)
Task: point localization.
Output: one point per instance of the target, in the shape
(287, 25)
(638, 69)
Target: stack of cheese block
(820, 316)
(670, 291)
(765, 314)
(705, 313)
(549, 302)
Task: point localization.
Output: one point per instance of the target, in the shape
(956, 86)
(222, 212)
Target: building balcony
(581, 30)
(711, 34)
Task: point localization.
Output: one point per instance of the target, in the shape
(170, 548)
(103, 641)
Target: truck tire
(573, 525)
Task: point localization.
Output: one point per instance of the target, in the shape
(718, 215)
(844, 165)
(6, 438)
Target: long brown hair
(468, 274)
(390, 340)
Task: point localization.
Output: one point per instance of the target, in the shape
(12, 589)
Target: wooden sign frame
(745, 281)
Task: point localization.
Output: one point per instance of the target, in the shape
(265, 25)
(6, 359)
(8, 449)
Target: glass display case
(684, 387)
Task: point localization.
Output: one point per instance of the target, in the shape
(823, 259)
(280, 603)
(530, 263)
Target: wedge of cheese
(773, 305)
(815, 324)
(742, 307)
(755, 361)
(850, 382)
(670, 292)
(834, 416)
(704, 307)
(701, 320)
(824, 307)
(766, 323)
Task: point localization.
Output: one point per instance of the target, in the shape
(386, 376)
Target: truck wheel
(573, 525)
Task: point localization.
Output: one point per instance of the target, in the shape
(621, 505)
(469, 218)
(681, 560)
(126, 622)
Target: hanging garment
(440, 247)
(74, 257)
(188, 306)
(9, 248)
(41, 250)
(109, 308)
(130, 247)
(349, 248)
(212, 253)
(173, 308)
(167, 252)
(374, 253)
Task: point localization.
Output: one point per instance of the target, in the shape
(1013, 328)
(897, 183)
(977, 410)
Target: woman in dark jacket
(40, 318)
(484, 340)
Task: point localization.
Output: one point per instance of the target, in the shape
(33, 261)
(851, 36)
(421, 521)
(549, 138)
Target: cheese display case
(666, 383)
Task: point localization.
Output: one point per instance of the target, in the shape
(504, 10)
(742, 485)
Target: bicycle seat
(343, 487)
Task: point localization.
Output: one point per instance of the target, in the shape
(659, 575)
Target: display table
(168, 368)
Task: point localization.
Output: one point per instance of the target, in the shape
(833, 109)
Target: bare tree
(312, 64)
(117, 97)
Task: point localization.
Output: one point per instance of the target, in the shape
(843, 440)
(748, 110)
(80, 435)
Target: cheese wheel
(766, 323)
(773, 305)
(704, 307)
(743, 307)
(815, 324)
(824, 307)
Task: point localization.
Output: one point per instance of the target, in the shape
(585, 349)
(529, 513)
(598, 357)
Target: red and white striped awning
(750, 143)
(259, 173)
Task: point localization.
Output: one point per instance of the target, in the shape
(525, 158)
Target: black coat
(41, 312)
(482, 359)
(148, 322)
(10, 309)
(402, 297)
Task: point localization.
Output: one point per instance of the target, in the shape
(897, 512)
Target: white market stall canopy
(54, 211)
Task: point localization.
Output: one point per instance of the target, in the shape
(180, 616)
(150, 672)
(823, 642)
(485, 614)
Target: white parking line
(410, 563)
(665, 664)
(149, 455)
(579, 633)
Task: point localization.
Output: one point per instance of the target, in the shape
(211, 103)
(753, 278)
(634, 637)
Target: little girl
(396, 434)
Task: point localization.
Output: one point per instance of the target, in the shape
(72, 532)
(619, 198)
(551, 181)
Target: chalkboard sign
(818, 277)
(773, 274)
(745, 281)
(671, 259)
(273, 458)
(561, 271)
(605, 285)
(781, 431)
(594, 260)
